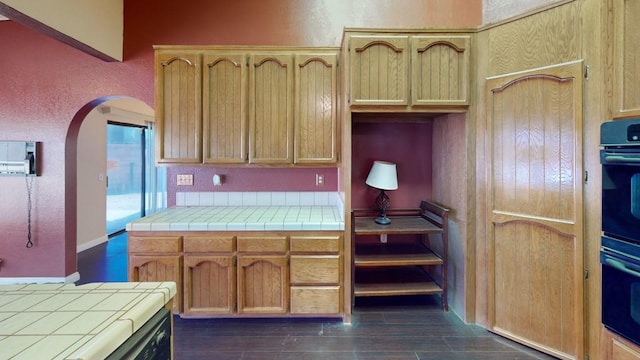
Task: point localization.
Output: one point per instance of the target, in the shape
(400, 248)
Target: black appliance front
(621, 287)
(151, 342)
(620, 160)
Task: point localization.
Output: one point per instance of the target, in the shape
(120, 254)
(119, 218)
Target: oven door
(621, 288)
(151, 342)
(621, 193)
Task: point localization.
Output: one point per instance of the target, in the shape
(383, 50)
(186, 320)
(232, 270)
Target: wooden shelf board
(362, 260)
(408, 254)
(390, 289)
(399, 225)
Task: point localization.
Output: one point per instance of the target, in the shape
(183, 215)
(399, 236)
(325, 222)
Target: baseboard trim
(41, 280)
(89, 244)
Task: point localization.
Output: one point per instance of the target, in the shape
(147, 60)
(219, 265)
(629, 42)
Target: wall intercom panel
(19, 158)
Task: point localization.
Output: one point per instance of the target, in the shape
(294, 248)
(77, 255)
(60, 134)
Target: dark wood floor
(393, 328)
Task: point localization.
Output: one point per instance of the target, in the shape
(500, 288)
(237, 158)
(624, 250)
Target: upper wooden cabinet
(408, 72)
(178, 98)
(626, 60)
(379, 69)
(271, 113)
(224, 101)
(240, 105)
(440, 70)
(315, 108)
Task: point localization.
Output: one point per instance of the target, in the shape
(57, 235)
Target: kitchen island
(64, 321)
(244, 261)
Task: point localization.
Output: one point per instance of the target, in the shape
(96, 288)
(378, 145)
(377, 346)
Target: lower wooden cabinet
(209, 275)
(209, 285)
(315, 269)
(315, 300)
(316, 275)
(222, 274)
(615, 347)
(263, 284)
(158, 268)
(157, 258)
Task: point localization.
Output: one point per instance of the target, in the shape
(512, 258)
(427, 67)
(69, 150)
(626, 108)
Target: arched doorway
(87, 149)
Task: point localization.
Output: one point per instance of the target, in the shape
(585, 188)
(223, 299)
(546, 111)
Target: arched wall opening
(86, 168)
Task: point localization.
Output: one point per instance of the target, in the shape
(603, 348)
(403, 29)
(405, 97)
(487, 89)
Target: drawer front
(207, 244)
(315, 244)
(315, 300)
(315, 269)
(266, 244)
(155, 244)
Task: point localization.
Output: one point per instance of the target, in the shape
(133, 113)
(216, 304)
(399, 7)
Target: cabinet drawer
(155, 244)
(315, 269)
(206, 244)
(276, 244)
(315, 244)
(315, 299)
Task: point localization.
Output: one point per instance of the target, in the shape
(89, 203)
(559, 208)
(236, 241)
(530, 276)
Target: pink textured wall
(408, 146)
(47, 87)
(253, 179)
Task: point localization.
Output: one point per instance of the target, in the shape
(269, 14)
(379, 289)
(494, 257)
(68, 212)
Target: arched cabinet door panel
(379, 69)
(210, 285)
(225, 124)
(315, 110)
(178, 96)
(440, 70)
(263, 284)
(535, 207)
(152, 268)
(270, 109)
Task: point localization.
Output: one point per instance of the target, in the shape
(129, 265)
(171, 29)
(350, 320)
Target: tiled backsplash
(261, 198)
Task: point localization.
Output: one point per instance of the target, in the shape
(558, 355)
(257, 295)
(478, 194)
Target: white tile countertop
(90, 321)
(239, 218)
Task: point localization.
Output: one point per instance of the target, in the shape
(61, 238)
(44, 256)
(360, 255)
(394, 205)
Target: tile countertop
(90, 321)
(225, 218)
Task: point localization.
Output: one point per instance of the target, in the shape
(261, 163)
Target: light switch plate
(185, 179)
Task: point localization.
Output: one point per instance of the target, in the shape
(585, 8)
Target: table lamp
(383, 177)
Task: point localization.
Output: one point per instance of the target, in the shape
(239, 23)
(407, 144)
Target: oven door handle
(621, 159)
(622, 266)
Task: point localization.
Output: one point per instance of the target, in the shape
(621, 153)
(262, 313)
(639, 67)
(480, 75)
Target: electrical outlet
(319, 180)
(185, 179)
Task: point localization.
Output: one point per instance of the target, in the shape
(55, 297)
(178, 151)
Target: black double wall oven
(620, 246)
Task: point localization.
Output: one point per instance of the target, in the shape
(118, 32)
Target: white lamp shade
(383, 176)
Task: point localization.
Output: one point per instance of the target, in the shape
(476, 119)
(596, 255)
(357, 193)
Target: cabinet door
(626, 60)
(315, 109)
(209, 285)
(178, 99)
(151, 268)
(271, 109)
(614, 347)
(379, 69)
(224, 101)
(440, 70)
(263, 284)
(535, 217)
